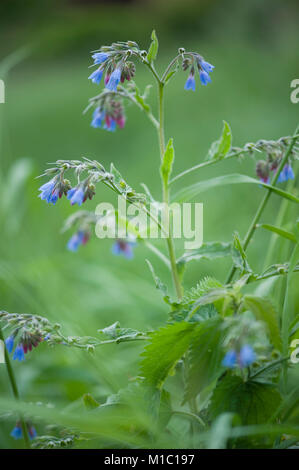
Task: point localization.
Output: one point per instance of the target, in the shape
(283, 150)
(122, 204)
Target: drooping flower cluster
(17, 432)
(79, 238)
(54, 189)
(195, 61)
(274, 151)
(241, 358)
(24, 343)
(109, 113)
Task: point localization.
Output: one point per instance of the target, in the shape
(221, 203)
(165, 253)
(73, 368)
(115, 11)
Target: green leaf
(209, 250)
(89, 402)
(153, 49)
(159, 284)
(252, 401)
(167, 162)
(283, 233)
(205, 357)
(203, 287)
(221, 147)
(264, 310)
(239, 256)
(115, 332)
(140, 99)
(194, 190)
(167, 345)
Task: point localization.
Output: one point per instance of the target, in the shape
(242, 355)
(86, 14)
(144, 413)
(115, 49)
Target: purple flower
(9, 343)
(17, 433)
(204, 77)
(246, 356)
(114, 79)
(19, 353)
(96, 76)
(76, 196)
(230, 359)
(110, 124)
(190, 83)
(206, 66)
(79, 238)
(100, 57)
(124, 248)
(97, 118)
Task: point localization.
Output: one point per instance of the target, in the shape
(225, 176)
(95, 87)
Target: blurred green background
(254, 47)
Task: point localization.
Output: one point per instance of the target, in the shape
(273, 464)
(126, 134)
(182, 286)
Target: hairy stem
(264, 202)
(15, 390)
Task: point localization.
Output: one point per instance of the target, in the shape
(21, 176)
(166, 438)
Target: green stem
(169, 240)
(264, 202)
(15, 391)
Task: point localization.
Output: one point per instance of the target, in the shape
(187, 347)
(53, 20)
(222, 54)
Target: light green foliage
(221, 147)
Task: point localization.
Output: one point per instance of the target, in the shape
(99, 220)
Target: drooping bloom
(54, 189)
(124, 248)
(204, 77)
(262, 171)
(100, 57)
(76, 195)
(96, 76)
(19, 354)
(98, 118)
(114, 79)
(206, 66)
(17, 433)
(47, 190)
(243, 358)
(246, 356)
(286, 174)
(230, 359)
(9, 343)
(110, 124)
(79, 238)
(190, 83)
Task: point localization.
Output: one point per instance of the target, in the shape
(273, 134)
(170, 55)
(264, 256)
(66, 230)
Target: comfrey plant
(228, 347)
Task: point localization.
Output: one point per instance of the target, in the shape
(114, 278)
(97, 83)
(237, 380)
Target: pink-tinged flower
(124, 248)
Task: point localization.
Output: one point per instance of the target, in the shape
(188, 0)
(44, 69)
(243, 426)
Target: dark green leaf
(206, 354)
(252, 401)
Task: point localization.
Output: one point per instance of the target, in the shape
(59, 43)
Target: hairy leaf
(153, 49)
(167, 345)
(221, 147)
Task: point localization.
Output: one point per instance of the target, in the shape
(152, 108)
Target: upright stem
(15, 390)
(169, 240)
(264, 201)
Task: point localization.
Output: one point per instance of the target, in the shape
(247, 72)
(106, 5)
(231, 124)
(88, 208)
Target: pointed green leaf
(283, 233)
(221, 147)
(264, 310)
(194, 190)
(239, 256)
(167, 162)
(209, 250)
(153, 49)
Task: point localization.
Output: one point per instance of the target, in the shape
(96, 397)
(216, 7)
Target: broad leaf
(194, 190)
(209, 250)
(221, 147)
(115, 332)
(153, 49)
(167, 345)
(264, 310)
(254, 402)
(205, 357)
